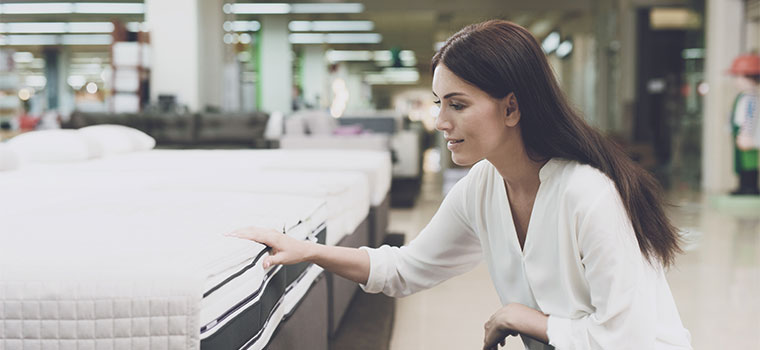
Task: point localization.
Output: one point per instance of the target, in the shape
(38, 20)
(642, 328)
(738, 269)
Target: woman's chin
(462, 160)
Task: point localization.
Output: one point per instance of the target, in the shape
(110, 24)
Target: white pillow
(8, 158)
(93, 144)
(116, 139)
(51, 146)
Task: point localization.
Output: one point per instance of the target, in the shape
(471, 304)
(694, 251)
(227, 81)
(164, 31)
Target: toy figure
(745, 122)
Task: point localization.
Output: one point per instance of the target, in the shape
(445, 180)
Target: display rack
(130, 60)
(9, 100)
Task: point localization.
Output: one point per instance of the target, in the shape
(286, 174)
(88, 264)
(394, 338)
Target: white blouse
(581, 262)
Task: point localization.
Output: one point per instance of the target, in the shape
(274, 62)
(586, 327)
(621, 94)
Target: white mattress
(345, 192)
(375, 165)
(127, 268)
(376, 142)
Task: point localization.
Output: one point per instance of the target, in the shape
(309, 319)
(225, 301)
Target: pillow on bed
(8, 158)
(51, 146)
(116, 139)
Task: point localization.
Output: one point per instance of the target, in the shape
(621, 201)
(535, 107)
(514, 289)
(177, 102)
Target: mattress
(139, 269)
(375, 165)
(346, 193)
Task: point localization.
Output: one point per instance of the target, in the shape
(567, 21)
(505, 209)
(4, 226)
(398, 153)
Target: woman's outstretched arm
(350, 263)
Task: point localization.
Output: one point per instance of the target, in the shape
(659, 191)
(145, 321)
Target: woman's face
(474, 124)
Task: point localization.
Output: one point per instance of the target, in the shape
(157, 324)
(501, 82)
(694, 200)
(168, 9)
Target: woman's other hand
(514, 319)
(286, 250)
(497, 330)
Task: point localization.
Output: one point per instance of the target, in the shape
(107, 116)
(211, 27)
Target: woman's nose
(441, 123)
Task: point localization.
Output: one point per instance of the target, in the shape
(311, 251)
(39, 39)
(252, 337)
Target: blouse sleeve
(621, 281)
(446, 247)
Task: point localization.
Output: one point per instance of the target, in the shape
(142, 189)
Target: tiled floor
(716, 283)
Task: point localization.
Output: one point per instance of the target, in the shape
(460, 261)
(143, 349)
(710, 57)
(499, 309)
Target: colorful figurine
(745, 122)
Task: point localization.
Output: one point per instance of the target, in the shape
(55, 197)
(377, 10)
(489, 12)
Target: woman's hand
(497, 329)
(514, 319)
(286, 250)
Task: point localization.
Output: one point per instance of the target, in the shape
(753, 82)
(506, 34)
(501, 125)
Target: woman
(573, 232)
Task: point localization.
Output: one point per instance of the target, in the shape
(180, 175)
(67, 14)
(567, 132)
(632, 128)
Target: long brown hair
(501, 57)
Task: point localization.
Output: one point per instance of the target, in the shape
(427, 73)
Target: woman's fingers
(275, 258)
(257, 234)
(492, 337)
(495, 335)
(285, 250)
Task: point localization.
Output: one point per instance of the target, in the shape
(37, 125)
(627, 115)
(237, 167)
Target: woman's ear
(512, 117)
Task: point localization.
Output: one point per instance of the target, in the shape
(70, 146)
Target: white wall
(174, 47)
(722, 23)
(276, 74)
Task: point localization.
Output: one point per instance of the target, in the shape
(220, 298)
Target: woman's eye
(457, 107)
(437, 102)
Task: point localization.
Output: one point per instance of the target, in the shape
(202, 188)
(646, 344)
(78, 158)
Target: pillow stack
(116, 139)
(62, 146)
(52, 146)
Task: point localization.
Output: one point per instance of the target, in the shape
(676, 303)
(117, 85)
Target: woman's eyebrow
(452, 94)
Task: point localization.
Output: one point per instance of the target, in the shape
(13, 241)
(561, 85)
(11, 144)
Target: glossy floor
(716, 283)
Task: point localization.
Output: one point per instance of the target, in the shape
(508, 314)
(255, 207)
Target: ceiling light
(31, 40)
(37, 8)
(246, 9)
(92, 88)
(56, 27)
(348, 55)
(283, 8)
(400, 76)
(72, 7)
(241, 26)
(351, 38)
(300, 38)
(50, 39)
(35, 27)
(335, 38)
(379, 56)
(331, 26)
(90, 27)
(36, 81)
(24, 94)
(134, 26)
(550, 43)
(227, 38)
(76, 81)
(87, 39)
(23, 57)
(109, 7)
(299, 26)
(564, 49)
(407, 55)
(328, 8)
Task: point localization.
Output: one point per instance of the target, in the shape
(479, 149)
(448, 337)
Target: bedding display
(375, 165)
(135, 272)
(346, 193)
(145, 265)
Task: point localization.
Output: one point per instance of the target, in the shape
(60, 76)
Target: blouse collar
(548, 169)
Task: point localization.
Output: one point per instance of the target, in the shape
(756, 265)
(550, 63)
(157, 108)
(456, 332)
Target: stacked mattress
(127, 251)
(376, 166)
(346, 193)
(136, 272)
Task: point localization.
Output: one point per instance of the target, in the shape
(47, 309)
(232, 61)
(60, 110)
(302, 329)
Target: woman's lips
(453, 143)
